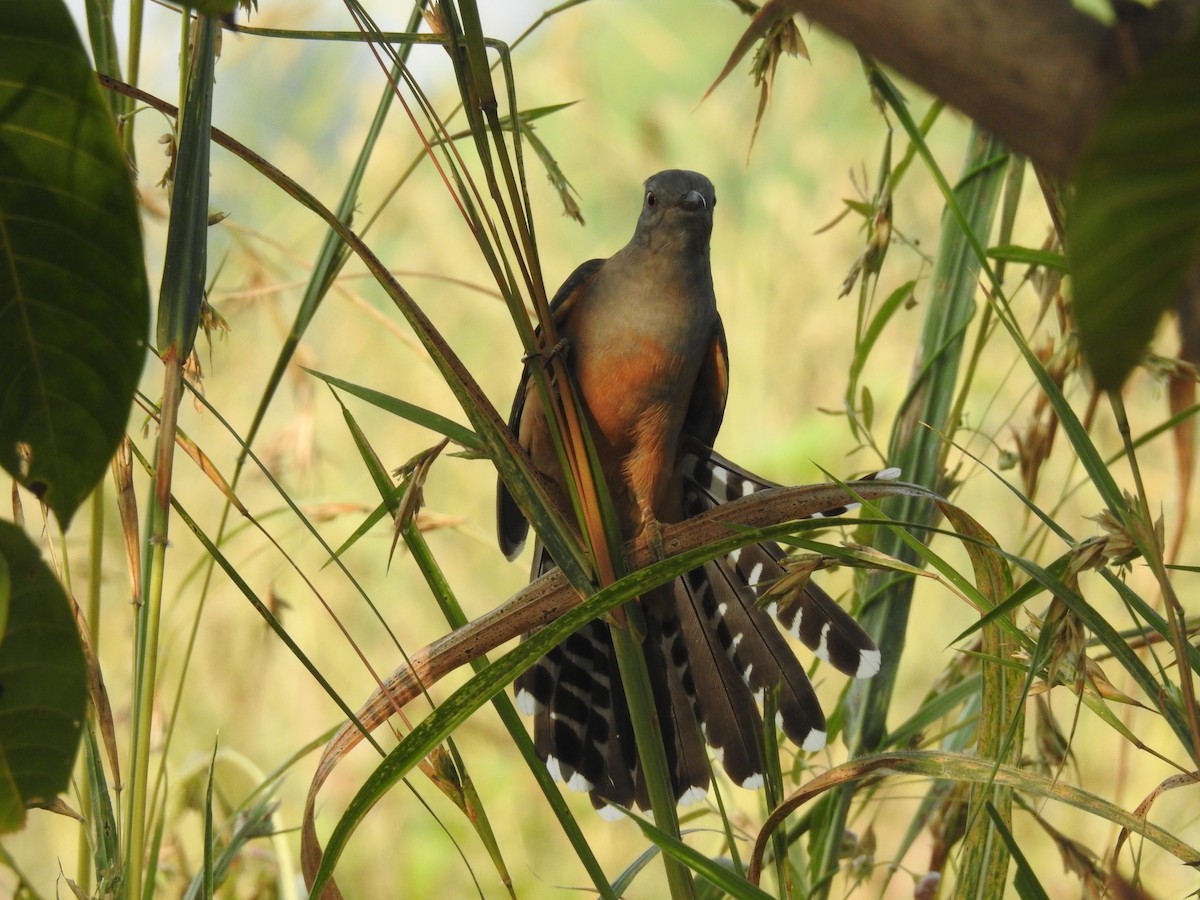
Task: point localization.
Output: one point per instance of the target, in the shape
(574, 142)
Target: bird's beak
(692, 201)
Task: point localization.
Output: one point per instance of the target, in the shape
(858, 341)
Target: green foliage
(181, 297)
(74, 307)
(42, 681)
(1134, 228)
(247, 620)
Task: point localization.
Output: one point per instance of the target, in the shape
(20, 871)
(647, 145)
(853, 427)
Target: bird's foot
(547, 355)
(652, 531)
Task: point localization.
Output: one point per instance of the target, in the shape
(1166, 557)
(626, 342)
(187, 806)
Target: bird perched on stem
(646, 349)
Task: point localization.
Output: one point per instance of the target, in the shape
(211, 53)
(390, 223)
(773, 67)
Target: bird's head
(677, 209)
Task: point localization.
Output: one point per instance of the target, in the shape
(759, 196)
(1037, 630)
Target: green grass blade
(405, 410)
(710, 870)
(439, 585)
(207, 882)
(333, 252)
(185, 264)
(984, 860)
(1025, 881)
(917, 449)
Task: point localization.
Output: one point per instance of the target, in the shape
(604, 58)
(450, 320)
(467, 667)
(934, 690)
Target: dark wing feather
(511, 524)
(706, 408)
(811, 615)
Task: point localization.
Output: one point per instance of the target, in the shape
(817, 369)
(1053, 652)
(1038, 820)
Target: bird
(643, 341)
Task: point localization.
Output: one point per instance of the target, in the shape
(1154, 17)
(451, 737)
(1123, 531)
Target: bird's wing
(511, 524)
(706, 408)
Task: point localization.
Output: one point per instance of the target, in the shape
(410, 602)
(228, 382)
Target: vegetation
(207, 624)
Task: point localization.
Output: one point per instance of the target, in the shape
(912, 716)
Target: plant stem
(83, 867)
(148, 620)
(648, 736)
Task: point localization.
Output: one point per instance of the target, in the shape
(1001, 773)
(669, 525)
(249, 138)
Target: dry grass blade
(1184, 779)
(773, 16)
(414, 472)
(98, 693)
(1181, 395)
(775, 27)
(122, 471)
(964, 768)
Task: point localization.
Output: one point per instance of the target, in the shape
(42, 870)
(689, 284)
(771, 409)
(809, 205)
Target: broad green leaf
(12, 810)
(74, 304)
(5, 594)
(43, 688)
(1134, 230)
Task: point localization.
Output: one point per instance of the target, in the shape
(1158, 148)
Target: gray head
(677, 210)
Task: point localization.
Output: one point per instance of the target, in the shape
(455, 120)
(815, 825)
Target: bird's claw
(652, 530)
(547, 355)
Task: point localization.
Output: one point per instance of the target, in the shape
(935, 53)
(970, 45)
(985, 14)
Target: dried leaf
(774, 29)
(200, 458)
(1183, 779)
(122, 471)
(1053, 747)
(1068, 640)
(1181, 395)
(414, 472)
(440, 769)
(948, 825)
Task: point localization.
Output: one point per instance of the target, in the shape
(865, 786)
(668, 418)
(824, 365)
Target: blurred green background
(639, 73)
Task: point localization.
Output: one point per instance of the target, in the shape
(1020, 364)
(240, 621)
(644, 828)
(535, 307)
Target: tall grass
(1036, 707)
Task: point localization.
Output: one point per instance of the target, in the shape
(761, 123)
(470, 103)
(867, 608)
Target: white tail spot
(869, 662)
(527, 703)
(694, 794)
(794, 628)
(755, 575)
(823, 647)
(814, 741)
(579, 783)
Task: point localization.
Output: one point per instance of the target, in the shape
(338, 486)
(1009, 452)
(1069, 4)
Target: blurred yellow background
(639, 73)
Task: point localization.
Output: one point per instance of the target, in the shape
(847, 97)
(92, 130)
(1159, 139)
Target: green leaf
(460, 434)
(1025, 881)
(214, 8)
(1028, 256)
(43, 687)
(74, 304)
(711, 870)
(181, 296)
(1134, 230)
(12, 810)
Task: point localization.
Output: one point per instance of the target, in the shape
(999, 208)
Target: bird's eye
(651, 200)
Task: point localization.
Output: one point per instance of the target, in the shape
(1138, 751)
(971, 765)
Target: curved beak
(692, 201)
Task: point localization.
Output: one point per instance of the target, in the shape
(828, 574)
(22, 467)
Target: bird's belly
(638, 386)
